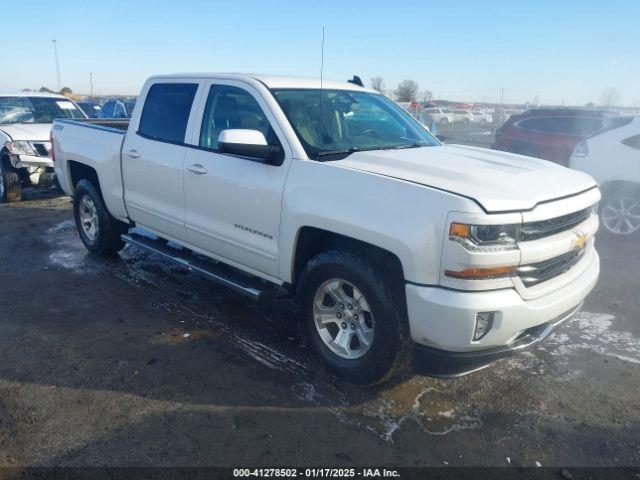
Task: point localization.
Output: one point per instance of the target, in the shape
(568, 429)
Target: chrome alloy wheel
(621, 215)
(343, 319)
(88, 217)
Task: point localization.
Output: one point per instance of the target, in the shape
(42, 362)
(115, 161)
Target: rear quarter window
(166, 111)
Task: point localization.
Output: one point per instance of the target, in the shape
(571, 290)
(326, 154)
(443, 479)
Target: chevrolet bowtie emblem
(580, 241)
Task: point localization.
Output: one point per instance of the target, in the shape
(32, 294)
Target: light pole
(55, 53)
(91, 83)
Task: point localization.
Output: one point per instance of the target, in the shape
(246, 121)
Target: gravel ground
(135, 362)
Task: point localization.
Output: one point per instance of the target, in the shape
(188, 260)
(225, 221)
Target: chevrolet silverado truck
(25, 123)
(395, 245)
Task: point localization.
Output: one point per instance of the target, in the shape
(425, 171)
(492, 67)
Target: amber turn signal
(460, 230)
(482, 273)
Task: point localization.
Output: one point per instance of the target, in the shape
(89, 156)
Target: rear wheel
(444, 121)
(98, 230)
(352, 318)
(10, 187)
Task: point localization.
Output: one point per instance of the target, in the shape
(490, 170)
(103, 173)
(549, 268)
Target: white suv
(440, 115)
(612, 158)
(25, 125)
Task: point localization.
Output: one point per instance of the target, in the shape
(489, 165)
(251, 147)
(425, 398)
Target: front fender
(400, 217)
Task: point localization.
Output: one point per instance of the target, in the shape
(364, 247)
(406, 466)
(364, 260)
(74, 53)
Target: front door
(233, 203)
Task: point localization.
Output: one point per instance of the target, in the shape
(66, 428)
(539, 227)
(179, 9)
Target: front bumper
(444, 364)
(33, 161)
(444, 319)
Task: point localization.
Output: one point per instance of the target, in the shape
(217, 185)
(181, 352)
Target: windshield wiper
(408, 145)
(344, 153)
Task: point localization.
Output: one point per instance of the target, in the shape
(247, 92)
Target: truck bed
(110, 123)
(97, 144)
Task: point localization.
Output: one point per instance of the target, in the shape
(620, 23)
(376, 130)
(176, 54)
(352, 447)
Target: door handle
(132, 154)
(197, 169)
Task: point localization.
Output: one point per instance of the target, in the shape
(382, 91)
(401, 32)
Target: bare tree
(426, 95)
(377, 84)
(609, 97)
(407, 91)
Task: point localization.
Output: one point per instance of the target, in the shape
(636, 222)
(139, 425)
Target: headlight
(20, 147)
(485, 238)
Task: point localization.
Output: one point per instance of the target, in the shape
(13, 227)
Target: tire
(620, 212)
(444, 121)
(10, 186)
(98, 230)
(389, 349)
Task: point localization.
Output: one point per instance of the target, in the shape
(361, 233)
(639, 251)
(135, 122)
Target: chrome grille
(545, 228)
(536, 273)
(41, 149)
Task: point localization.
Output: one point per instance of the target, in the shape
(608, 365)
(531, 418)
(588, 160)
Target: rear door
(233, 203)
(153, 157)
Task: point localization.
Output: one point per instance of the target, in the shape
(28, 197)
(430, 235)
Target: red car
(550, 134)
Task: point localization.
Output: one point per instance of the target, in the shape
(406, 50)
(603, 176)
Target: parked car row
(111, 108)
(450, 116)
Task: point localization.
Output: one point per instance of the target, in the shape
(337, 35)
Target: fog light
(484, 322)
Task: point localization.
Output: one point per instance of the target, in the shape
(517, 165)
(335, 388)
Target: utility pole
(55, 53)
(91, 83)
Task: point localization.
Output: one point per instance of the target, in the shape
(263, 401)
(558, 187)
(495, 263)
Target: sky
(566, 51)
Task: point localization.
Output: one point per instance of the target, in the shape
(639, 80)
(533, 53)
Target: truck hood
(498, 181)
(27, 131)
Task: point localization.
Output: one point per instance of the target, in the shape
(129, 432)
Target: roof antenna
(321, 78)
(322, 60)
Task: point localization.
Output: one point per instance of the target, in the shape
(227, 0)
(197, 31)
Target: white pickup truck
(394, 244)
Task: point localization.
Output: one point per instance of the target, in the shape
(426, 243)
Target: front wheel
(10, 186)
(620, 212)
(99, 231)
(352, 318)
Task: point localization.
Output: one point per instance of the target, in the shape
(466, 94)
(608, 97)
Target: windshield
(36, 109)
(349, 121)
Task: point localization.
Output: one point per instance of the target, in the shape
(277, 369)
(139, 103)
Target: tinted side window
(633, 142)
(108, 109)
(564, 125)
(119, 111)
(166, 111)
(231, 107)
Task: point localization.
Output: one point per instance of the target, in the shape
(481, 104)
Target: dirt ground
(136, 362)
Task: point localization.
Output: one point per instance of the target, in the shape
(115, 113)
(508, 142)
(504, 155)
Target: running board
(218, 272)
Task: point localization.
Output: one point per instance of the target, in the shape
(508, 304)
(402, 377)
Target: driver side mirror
(249, 143)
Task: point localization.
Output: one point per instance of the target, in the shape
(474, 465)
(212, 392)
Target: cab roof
(271, 81)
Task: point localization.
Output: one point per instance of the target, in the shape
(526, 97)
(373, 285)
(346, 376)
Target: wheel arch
(79, 171)
(616, 185)
(310, 241)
